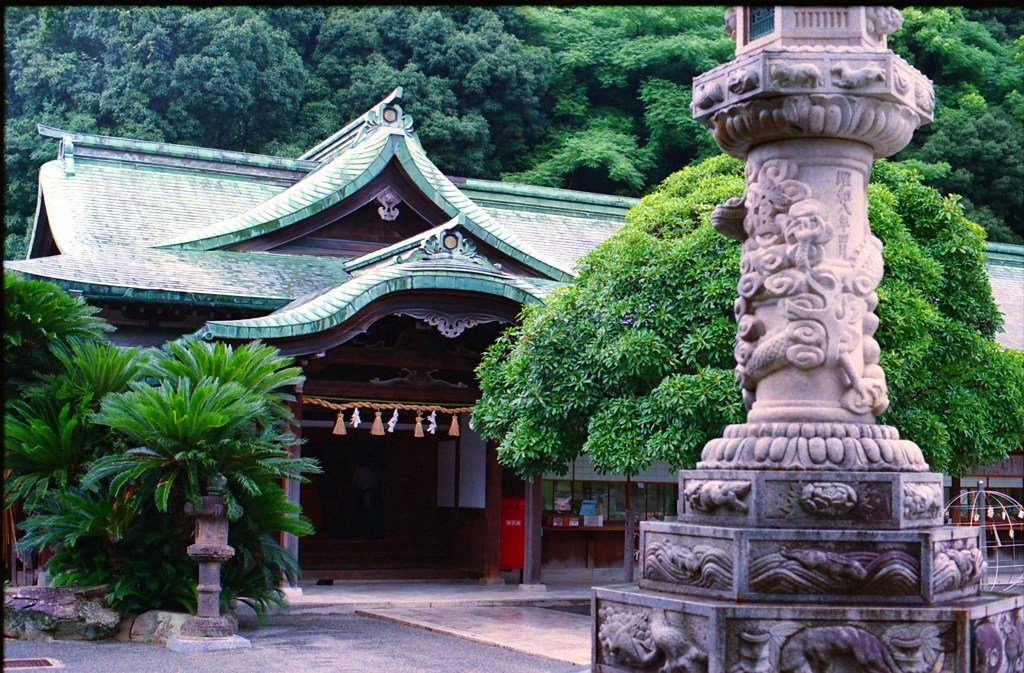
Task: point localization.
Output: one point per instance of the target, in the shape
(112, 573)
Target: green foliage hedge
(633, 362)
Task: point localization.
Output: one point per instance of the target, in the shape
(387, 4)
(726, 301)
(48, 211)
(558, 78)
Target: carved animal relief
(811, 570)
(712, 496)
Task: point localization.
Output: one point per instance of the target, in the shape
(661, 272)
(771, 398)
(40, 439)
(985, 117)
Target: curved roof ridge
(328, 185)
(176, 150)
(333, 307)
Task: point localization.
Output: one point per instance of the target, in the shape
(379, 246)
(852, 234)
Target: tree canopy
(591, 98)
(633, 362)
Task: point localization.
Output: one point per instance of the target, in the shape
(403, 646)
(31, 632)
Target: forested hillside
(592, 98)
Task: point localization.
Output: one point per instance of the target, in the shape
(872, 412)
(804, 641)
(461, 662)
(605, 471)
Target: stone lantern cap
(774, 27)
(811, 76)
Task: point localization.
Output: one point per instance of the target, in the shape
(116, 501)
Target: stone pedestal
(209, 630)
(810, 538)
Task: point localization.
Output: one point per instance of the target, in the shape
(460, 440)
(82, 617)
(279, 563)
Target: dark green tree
(473, 88)
(975, 57)
(620, 92)
(633, 362)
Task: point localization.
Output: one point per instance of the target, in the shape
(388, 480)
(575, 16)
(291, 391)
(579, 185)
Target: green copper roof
(172, 150)
(192, 277)
(344, 175)
(335, 306)
(534, 198)
(105, 204)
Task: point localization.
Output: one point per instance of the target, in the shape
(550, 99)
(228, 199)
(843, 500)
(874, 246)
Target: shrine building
(386, 280)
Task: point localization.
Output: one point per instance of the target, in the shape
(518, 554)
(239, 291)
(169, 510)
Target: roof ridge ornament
(448, 244)
(386, 114)
(66, 155)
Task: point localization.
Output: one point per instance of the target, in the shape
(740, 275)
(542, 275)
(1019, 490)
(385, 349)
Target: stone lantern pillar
(809, 538)
(208, 630)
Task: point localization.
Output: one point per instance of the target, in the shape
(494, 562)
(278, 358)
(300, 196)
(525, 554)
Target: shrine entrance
(408, 489)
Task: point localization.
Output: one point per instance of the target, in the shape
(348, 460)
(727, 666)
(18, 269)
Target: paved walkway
(552, 621)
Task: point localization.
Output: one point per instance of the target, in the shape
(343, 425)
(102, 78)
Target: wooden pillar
(628, 550)
(533, 529)
(492, 515)
(291, 486)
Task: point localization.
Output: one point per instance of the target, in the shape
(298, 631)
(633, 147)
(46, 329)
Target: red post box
(512, 537)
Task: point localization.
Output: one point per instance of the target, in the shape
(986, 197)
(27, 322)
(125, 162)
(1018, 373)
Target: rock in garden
(48, 613)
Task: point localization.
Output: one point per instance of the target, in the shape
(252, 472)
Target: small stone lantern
(209, 630)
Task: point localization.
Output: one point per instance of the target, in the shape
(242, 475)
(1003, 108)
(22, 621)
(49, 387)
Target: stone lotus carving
(641, 639)
(922, 501)
(710, 496)
(802, 446)
(827, 499)
(886, 126)
(809, 570)
(916, 648)
(701, 566)
(956, 567)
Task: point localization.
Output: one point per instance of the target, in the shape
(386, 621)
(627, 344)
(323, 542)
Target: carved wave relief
(809, 570)
(700, 566)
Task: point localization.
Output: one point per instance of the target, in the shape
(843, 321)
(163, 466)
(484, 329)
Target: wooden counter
(582, 546)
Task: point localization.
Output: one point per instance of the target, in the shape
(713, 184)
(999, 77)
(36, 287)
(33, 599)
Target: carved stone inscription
(649, 639)
(823, 501)
(833, 568)
(793, 647)
(690, 561)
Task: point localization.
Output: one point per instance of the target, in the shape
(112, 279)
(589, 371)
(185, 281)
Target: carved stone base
(638, 631)
(811, 499)
(812, 446)
(902, 567)
(208, 627)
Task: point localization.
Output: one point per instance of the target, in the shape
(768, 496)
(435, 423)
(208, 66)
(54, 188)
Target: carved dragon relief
(826, 304)
(644, 639)
(922, 501)
(827, 499)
